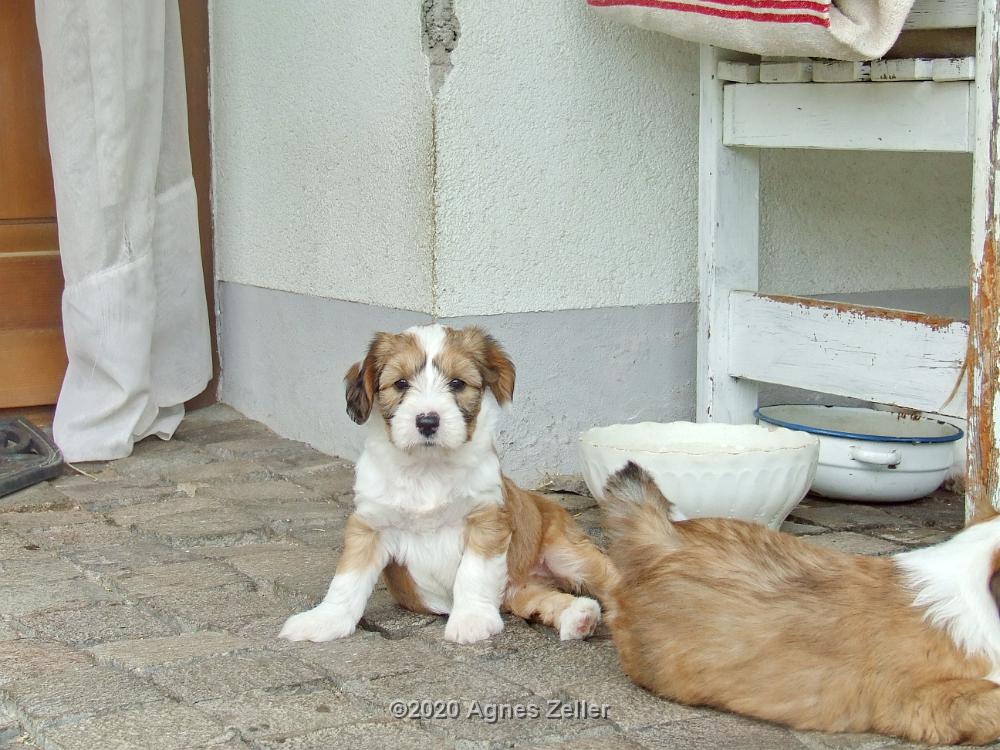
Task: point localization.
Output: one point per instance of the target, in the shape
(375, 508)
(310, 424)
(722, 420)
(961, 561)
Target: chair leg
(728, 242)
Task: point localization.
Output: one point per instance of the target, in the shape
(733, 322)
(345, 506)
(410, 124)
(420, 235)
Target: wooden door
(32, 354)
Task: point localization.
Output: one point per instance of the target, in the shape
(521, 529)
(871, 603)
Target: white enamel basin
(870, 455)
(756, 473)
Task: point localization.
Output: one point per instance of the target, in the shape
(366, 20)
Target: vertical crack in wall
(440, 32)
(434, 212)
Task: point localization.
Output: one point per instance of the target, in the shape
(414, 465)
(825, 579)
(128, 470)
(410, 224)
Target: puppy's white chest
(423, 500)
(419, 508)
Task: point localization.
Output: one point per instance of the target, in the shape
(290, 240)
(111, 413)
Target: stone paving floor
(139, 608)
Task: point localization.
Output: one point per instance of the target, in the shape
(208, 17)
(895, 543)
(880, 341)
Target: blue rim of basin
(856, 435)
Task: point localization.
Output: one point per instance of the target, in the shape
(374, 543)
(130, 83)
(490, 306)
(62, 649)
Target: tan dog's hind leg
(576, 562)
(575, 617)
(977, 713)
(550, 552)
(949, 713)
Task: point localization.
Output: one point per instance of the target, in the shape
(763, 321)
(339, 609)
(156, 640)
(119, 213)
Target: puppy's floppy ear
(494, 363)
(502, 368)
(361, 380)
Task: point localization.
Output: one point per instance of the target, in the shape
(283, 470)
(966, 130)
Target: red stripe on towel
(733, 14)
(819, 7)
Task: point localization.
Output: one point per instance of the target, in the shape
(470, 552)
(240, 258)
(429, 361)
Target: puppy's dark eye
(456, 385)
(401, 385)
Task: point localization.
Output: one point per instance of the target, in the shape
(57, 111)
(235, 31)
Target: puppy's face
(428, 384)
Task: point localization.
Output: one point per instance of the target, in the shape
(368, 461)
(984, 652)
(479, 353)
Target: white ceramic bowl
(870, 455)
(751, 472)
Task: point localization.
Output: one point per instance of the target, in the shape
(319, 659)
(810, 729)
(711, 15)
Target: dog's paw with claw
(318, 625)
(472, 625)
(579, 620)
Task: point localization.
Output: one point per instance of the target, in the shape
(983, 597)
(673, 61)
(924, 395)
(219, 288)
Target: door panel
(32, 291)
(25, 171)
(32, 354)
(28, 236)
(32, 366)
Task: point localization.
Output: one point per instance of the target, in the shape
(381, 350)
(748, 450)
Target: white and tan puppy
(734, 615)
(435, 516)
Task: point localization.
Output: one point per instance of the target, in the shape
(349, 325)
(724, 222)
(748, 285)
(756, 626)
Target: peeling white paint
(441, 31)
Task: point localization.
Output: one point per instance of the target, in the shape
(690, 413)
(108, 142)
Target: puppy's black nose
(427, 424)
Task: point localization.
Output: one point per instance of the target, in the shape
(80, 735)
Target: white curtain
(134, 311)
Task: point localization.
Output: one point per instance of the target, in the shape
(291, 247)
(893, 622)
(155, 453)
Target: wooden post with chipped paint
(728, 242)
(983, 372)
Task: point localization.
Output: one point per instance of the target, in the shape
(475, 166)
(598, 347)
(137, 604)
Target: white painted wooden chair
(888, 356)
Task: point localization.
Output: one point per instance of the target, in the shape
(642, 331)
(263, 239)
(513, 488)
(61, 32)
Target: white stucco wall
(857, 222)
(322, 149)
(567, 163)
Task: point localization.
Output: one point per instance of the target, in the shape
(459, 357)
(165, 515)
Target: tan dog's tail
(635, 511)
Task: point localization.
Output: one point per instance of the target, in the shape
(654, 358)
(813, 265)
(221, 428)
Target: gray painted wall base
(284, 356)
(577, 369)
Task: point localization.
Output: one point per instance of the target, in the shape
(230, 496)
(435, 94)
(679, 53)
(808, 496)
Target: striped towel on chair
(842, 30)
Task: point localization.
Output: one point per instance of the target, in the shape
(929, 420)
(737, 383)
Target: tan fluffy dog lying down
(734, 615)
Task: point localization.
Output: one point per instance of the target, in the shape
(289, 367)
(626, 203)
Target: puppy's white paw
(472, 626)
(579, 620)
(318, 625)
